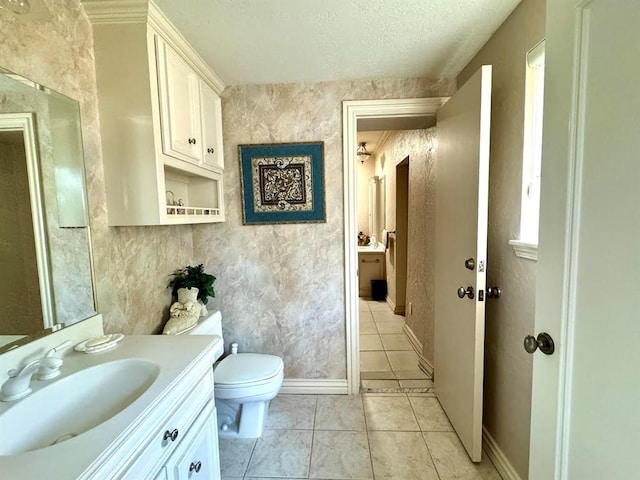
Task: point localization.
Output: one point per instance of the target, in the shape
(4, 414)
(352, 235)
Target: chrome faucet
(19, 383)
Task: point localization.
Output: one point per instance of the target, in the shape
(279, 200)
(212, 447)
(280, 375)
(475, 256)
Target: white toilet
(244, 385)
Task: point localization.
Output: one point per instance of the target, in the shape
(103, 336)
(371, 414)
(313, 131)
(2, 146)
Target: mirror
(377, 205)
(45, 250)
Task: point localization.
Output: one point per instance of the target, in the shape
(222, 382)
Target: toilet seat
(247, 369)
(248, 375)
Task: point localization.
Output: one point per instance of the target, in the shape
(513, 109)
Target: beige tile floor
(387, 359)
(371, 436)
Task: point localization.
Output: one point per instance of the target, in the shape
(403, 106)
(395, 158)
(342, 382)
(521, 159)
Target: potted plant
(193, 277)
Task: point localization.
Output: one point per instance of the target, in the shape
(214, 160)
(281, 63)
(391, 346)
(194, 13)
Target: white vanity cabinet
(371, 266)
(160, 119)
(177, 440)
(167, 431)
(198, 457)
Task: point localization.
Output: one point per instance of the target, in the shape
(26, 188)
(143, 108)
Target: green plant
(189, 277)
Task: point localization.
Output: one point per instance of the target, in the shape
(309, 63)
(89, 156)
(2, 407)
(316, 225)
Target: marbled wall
(281, 287)
(419, 146)
(508, 368)
(131, 264)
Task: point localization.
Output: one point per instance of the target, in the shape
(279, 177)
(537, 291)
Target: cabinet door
(370, 267)
(179, 88)
(200, 460)
(211, 128)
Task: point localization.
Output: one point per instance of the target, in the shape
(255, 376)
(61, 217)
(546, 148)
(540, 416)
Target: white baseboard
(425, 366)
(423, 363)
(313, 386)
(497, 456)
(413, 340)
(391, 304)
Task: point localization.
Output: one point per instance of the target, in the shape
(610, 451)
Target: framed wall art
(282, 183)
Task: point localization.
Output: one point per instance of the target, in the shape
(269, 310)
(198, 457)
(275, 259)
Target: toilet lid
(247, 368)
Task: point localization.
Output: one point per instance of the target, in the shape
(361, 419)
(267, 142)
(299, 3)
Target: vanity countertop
(378, 248)
(175, 355)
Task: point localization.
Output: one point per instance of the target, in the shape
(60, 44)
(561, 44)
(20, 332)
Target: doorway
(372, 111)
(401, 234)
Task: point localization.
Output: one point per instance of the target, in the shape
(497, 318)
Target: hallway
(388, 362)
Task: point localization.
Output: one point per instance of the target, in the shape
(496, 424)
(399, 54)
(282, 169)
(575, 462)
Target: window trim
(524, 246)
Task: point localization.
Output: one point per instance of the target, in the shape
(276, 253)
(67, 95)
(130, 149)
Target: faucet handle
(54, 350)
(50, 365)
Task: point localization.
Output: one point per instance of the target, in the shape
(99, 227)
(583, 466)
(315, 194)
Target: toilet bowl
(244, 385)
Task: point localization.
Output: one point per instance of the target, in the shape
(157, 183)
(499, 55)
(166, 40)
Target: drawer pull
(195, 467)
(171, 435)
(377, 260)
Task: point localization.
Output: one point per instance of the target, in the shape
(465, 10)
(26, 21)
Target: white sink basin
(73, 405)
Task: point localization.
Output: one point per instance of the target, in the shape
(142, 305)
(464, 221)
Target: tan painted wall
(21, 307)
(132, 264)
(420, 245)
(508, 368)
(281, 287)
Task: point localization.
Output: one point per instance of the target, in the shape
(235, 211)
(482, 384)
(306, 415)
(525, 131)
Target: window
(527, 243)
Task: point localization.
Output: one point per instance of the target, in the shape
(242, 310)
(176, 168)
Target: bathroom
(296, 300)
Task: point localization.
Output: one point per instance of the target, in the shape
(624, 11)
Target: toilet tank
(210, 325)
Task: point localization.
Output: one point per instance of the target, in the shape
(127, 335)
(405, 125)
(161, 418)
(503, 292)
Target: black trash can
(379, 290)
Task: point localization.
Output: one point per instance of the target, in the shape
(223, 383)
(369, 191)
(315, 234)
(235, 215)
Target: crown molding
(114, 12)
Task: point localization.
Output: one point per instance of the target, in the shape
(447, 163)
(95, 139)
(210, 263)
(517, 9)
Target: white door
(180, 106)
(585, 421)
(211, 128)
(462, 174)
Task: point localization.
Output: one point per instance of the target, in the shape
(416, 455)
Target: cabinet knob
(195, 467)
(192, 141)
(171, 435)
(210, 150)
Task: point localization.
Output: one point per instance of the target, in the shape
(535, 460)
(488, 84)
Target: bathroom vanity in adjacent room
(371, 266)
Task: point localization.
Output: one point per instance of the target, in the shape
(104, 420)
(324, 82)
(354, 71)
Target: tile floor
(387, 359)
(370, 436)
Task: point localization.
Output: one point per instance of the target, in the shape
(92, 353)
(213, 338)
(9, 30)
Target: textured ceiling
(278, 41)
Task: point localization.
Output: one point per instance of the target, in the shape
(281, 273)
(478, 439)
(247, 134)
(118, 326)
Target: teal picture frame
(282, 183)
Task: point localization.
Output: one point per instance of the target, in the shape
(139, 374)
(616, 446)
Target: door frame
(26, 123)
(352, 111)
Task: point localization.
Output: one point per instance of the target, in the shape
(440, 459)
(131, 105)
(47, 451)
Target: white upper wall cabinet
(190, 110)
(160, 117)
(211, 107)
(179, 106)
